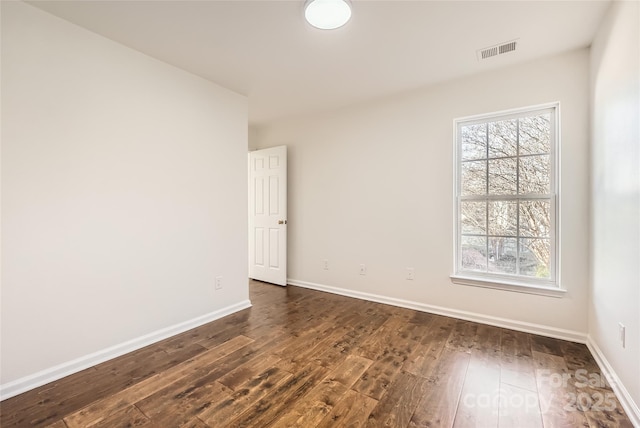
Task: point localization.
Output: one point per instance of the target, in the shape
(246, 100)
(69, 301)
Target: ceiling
(264, 49)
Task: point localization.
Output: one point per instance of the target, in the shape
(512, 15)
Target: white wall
(373, 184)
(615, 193)
(123, 194)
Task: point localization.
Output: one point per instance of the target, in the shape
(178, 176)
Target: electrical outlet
(218, 283)
(411, 274)
(621, 332)
(363, 269)
(325, 264)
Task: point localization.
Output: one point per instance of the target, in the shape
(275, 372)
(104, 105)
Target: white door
(268, 215)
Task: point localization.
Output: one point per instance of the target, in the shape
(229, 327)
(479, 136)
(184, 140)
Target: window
(506, 199)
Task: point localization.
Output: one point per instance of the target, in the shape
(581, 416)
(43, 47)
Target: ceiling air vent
(496, 50)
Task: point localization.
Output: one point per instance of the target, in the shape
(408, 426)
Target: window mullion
(486, 204)
(532, 197)
(518, 193)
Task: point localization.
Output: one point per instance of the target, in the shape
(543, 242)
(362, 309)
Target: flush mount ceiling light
(327, 14)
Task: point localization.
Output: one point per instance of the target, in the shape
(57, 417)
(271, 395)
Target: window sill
(508, 286)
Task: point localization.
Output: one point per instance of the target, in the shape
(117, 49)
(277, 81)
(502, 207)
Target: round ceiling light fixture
(327, 14)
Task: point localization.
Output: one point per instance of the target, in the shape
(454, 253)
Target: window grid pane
(503, 176)
(474, 178)
(474, 253)
(474, 142)
(515, 237)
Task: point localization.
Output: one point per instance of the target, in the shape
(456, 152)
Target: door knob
(282, 221)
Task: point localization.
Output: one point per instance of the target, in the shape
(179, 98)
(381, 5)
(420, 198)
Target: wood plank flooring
(302, 358)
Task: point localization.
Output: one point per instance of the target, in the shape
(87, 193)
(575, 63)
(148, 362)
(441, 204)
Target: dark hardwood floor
(309, 359)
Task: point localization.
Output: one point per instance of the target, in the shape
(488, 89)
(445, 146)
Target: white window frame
(519, 283)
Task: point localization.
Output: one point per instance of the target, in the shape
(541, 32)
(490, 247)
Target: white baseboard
(572, 336)
(52, 374)
(630, 406)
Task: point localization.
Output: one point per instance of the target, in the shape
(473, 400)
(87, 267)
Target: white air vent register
(496, 50)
